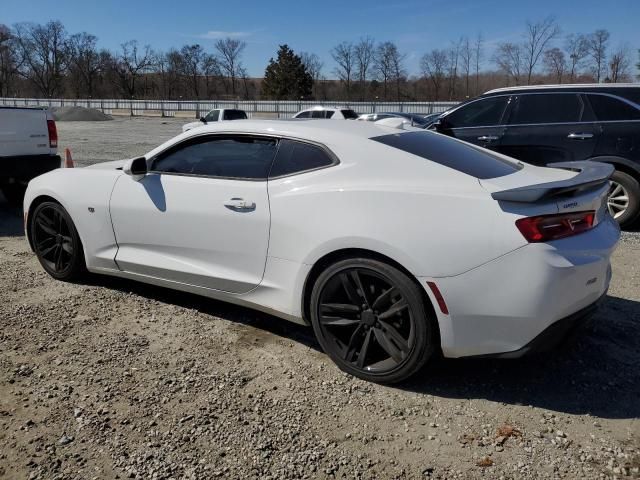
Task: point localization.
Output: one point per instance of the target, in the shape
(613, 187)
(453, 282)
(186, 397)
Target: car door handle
(488, 138)
(239, 204)
(580, 136)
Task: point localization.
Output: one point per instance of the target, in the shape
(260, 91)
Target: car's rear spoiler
(591, 174)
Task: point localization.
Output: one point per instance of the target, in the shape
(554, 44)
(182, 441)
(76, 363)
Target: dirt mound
(78, 114)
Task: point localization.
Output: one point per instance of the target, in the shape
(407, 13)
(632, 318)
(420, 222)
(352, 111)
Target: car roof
(575, 87)
(322, 131)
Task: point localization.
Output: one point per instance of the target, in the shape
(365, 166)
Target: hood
(114, 165)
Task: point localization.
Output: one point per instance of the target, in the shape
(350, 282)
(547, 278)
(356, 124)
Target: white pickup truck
(28, 148)
(217, 115)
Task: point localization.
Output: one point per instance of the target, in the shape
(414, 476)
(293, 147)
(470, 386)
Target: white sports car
(393, 244)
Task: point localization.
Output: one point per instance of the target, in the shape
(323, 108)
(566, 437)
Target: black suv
(556, 123)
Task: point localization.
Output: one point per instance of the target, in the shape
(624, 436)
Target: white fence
(169, 108)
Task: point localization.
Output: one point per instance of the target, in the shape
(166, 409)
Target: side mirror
(136, 168)
(437, 125)
(203, 120)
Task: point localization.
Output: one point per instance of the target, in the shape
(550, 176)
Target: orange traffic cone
(68, 161)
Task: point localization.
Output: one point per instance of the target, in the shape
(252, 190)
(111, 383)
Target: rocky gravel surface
(113, 379)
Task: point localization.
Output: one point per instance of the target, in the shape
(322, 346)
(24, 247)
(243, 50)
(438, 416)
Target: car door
(201, 214)
(479, 122)
(545, 128)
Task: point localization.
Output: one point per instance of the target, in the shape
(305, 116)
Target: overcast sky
(316, 26)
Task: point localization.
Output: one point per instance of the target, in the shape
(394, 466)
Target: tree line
(45, 60)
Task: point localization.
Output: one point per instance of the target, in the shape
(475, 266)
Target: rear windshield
(349, 114)
(450, 153)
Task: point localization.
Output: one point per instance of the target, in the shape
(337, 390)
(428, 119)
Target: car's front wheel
(624, 198)
(372, 320)
(56, 242)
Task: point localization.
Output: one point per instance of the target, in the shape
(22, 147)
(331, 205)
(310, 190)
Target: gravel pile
(78, 114)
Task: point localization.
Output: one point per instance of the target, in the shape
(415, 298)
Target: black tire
(393, 320)
(14, 194)
(56, 242)
(631, 189)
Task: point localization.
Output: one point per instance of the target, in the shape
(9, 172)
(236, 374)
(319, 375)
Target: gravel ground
(113, 379)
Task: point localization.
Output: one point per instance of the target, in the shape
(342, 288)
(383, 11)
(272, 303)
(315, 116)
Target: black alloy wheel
(56, 241)
(371, 319)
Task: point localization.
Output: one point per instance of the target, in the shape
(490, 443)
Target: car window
(317, 114)
(238, 156)
(306, 114)
(234, 115)
(481, 113)
(460, 156)
(329, 113)
(349, 114)
(294, 157)
(212, 116)
(608, 108)
(546, 108)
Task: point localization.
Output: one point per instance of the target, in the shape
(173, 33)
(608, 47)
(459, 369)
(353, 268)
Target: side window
(481, 113)
(329, 113)
(317, 114)
(608, 108)
(294, 157)
(239, 156)
(546, 108)
(234, 115)
(304, 115)
(349, 114)
(212, 116)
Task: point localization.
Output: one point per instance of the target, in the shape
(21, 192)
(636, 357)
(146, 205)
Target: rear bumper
(553, 335)
(24, 168)
(505, 305)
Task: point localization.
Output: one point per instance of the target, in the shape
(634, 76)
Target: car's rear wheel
(624, 198)
(372, 320)
(56, 242)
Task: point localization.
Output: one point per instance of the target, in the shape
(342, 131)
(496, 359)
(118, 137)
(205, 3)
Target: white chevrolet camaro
(393, 244)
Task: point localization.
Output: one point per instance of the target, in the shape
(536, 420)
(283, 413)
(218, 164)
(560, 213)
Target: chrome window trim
(629, 102)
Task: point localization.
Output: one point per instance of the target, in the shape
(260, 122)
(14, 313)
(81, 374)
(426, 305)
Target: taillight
(545, 228)
(53, 134)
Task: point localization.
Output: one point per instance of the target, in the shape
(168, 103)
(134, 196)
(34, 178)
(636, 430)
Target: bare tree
(41, 49)
(577, 48)
(508, 57)
(397, 67)
(555, 63)
(364, 52)
(383, 64)
(478, 59)
(466, 56)
(619, 65)
(434, 65)
(212, 73)
(85, 61)
(129, 65)
(314, 65)
(344, 56)
(537, 37)
(193, 58)
(8, 61)
(168, 67)
(598, 43)
(230, 59)
(454, 57)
